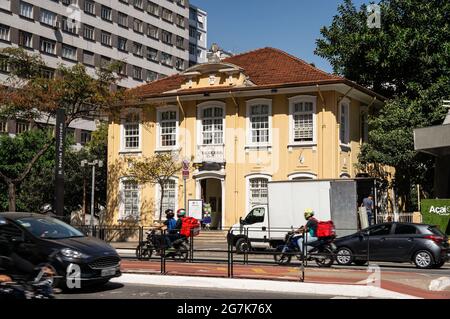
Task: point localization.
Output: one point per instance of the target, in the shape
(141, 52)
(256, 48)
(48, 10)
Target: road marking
(259, 271)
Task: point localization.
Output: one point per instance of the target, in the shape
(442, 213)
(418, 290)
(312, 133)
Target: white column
(222, 183)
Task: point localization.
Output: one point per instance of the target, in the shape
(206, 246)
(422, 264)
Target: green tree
(155, 170)
(28, 95)
(408, 61)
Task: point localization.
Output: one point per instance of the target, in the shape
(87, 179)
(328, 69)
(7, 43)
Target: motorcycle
(40, 286)
(158, 243)
(322, 251)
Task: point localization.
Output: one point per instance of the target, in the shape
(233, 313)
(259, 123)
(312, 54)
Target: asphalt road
(132, 291)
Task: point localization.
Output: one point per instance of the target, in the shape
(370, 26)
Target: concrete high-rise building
(152, 37)
(198, 31)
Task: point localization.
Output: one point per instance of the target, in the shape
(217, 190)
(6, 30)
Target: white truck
(265, 226)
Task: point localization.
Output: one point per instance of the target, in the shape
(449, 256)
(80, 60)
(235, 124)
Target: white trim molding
(123, 121)
(249, 143)
(248, 177)
(159, 111)
(219, 175)
(345, 102)
(292, 101)
(302, 175)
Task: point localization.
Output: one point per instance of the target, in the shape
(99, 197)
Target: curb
(262, 285)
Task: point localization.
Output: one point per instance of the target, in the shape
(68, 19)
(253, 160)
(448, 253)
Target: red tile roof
(264, 67)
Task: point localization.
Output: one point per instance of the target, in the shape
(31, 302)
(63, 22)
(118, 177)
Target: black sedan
(424, 245)
(76, 257)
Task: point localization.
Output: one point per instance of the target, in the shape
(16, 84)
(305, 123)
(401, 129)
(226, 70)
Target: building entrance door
(211, 192)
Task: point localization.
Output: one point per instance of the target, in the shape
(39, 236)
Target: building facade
(250, 119)
(151, 37)
(198, 32)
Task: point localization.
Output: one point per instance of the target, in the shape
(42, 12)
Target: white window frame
(200, 108)
(250, 103)
(122, 216)
(302, 175)
(157, 198)
(106, 13)
(344, 102)
(68, 48)
(159, 111)
(47, 17)
(26, 10)
(45, 44)
(5, 35)
(247, 187)
(123, 149)
(298, 99)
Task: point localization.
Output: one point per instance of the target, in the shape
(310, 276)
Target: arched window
(302, 124)
(302, 176)
(259, 122)
(170, 197)
(211, 116)
(257, 189)
(129, 199)
(131, 131)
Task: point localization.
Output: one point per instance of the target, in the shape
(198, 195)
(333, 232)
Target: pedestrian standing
(369, 206)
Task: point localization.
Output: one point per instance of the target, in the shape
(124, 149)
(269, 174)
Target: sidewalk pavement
(406, 284)
(249, 285)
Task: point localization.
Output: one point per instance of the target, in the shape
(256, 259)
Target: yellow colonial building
(241, 122)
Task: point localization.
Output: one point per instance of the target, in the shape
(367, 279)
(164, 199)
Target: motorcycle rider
(13, 264)
(309, 230)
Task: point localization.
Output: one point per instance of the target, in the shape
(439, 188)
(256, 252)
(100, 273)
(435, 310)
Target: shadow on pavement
(110, 286)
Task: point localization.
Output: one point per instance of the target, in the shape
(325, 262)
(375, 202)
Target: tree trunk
(161, 201)
(12, 196)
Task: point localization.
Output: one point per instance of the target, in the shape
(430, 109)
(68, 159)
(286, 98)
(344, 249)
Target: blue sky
(290, 25)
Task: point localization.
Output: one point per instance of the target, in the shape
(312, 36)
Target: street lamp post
(93, 164)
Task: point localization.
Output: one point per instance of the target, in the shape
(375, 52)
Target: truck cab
(252, 230)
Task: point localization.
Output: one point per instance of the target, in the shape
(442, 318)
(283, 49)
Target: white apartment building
(150, 37)
(198, 31)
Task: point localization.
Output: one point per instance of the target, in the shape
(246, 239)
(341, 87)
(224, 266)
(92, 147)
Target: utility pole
(93, 164)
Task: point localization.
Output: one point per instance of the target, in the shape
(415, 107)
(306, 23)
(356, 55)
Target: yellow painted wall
(325, 160)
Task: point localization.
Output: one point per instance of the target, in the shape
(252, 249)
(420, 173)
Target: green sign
(437, 212)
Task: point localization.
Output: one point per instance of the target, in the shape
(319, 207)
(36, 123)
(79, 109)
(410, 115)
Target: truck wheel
(344, 256)
(242, 246)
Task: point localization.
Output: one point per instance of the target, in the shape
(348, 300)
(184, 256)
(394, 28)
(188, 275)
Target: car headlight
(70, 253)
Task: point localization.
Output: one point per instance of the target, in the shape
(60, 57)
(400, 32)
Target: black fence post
(191, 247)
(163, 252)
(141, 241)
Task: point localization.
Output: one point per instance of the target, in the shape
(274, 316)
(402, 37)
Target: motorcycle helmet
(308, 213)
(181, 212)
(169, 213)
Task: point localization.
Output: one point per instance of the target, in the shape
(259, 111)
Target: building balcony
(210, 153)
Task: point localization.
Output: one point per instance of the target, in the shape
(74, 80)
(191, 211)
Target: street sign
(185, 168)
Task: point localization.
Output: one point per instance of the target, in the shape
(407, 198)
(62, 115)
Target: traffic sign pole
(185, 177)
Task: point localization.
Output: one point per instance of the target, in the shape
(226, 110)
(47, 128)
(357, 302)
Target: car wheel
(423, 259)
(242, 246)
(344, 256)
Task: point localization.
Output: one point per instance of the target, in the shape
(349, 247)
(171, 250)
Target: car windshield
(50, 228)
